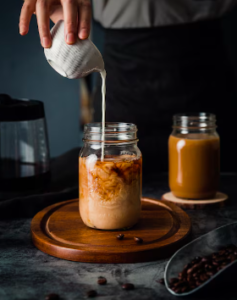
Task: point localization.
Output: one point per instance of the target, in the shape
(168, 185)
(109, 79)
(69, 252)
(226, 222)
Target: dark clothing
(155, 73)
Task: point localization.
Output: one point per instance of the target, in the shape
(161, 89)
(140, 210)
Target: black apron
(154, 73)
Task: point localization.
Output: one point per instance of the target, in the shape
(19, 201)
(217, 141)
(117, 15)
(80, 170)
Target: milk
(103, 91)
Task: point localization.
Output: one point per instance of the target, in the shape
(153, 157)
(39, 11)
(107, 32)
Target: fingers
(84, 19)
(42, 13)
(27, 10)
(56, 12)
(70, 20)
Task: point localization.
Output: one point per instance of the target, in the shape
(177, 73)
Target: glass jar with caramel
(110, 176)
(194, 156)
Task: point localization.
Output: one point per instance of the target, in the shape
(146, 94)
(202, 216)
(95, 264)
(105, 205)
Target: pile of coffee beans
(200, 269)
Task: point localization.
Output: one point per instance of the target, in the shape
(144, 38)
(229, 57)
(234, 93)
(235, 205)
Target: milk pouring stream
(103, 91)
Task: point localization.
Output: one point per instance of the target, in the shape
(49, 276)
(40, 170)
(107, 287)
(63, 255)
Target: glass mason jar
(110, 176)
(194, 156)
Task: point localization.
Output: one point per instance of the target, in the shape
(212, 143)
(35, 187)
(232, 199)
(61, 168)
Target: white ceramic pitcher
(72, 61)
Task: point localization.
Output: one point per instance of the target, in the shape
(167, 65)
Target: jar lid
(20, 109)
(194, 120)
(115, 132)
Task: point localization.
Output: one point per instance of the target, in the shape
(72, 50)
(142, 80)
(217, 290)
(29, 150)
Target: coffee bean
(194, 268)
(190, 278)
(222, 252)
(91, 294)
(214, 255)
(189, 271)
(192, 283)
(52, 297)
(205, 259)
(184, 274)
(198, 283)
(120, 236)
(102, 280)
(185, 289)
(195, 260)
(173, 280)
(210, 274)
(188, 266)
(177, 290)
(161, 281)
(220, 259)
(232, 257)
(207, 266)
(180, 275)
(138, 240)
(176, 283)
(128, 286)
(222, 267)
(201, 270)
(204, 277)
(179, 284)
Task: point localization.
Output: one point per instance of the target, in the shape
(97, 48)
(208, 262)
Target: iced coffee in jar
(110, 176)
(194, 156)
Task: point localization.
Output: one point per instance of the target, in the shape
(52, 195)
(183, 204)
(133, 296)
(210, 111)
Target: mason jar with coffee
(194, 156)
(110, 176)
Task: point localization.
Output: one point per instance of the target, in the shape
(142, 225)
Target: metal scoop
(203, 246)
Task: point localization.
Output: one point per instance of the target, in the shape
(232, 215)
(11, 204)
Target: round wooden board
(59, 231)
(218, 201)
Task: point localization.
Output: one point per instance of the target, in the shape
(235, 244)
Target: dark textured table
(27, 273)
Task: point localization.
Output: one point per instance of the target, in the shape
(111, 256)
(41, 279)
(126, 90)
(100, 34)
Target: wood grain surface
(219, 201)
(59, 231)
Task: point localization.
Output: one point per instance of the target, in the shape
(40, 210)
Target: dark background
(25, 73)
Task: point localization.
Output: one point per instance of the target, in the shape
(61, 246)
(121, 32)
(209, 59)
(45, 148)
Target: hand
(75, 13)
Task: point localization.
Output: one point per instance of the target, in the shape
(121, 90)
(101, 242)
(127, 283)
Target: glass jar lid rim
(195, 115)
(111, 127)
(195, 121)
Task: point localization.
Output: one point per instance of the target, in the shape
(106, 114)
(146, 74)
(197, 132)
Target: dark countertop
(27, 273)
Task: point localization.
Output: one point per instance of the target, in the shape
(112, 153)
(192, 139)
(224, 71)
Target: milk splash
(103, 91)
